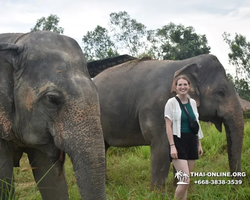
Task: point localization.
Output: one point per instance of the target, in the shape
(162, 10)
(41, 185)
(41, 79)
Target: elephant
(133, 96)
(49, 107)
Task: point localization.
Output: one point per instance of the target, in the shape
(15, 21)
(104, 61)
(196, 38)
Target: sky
(212, 18)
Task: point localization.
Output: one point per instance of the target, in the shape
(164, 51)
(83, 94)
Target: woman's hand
(173, 152)
(200, 150)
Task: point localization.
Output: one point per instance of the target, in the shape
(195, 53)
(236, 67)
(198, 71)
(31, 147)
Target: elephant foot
(159, 191)
(158, 188)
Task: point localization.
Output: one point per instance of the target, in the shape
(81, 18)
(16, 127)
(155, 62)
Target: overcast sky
(211, 17)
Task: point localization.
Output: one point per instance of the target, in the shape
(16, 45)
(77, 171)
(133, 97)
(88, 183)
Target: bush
(246, 115)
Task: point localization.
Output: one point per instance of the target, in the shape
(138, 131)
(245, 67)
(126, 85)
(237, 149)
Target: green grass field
(129, 173)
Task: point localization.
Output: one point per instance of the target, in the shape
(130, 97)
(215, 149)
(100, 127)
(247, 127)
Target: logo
(181, 176)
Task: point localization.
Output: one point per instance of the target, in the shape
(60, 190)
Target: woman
(185, 146)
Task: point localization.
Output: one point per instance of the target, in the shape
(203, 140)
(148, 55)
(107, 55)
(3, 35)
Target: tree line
(125, 35)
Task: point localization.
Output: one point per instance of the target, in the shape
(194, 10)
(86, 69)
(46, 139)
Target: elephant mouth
(62, 156)
(218, 121)
(58, 161)
(218, 125)
(55, 156)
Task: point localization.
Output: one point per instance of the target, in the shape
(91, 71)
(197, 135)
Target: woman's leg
(191, 167)
(181, 190)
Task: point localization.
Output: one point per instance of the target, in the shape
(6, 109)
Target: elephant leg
(6, 170)
(160, 163)
(153, 130)
(51, 185)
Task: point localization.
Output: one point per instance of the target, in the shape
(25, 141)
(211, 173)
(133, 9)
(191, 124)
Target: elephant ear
(10, 46)
(191, 71)
(11, 50)
(9, 53)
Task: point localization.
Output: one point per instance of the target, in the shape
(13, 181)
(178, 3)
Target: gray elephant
(133, 95)
(48, 107)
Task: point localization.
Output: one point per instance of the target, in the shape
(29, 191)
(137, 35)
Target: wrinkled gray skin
(48, 107)
(133, 95)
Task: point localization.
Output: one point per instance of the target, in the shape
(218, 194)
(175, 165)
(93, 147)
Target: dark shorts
(187, 146)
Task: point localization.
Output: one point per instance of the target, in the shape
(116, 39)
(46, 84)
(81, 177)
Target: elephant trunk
(234, 126)
(88, 165)
(79, 134)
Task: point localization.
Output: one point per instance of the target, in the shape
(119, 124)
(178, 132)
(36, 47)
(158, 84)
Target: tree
(98, 44)
(131, 37)
(240, 54)
(125, 34)
(241, 86)
(49, 24)
(177, 42)
(128, 33)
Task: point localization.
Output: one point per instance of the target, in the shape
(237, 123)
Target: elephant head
(217, 102)
(49, 102)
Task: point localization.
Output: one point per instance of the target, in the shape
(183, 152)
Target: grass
(129, 173)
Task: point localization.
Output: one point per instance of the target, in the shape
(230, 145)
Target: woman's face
(182, 86)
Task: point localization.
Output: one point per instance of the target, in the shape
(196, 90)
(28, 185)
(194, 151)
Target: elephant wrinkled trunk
(88, 159)
(94, 173)
(234, 127)
(80, 136)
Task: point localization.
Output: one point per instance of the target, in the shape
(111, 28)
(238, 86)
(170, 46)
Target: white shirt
(173, 112)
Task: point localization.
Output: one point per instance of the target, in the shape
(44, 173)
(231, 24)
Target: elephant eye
(220, 93)
(53, 98)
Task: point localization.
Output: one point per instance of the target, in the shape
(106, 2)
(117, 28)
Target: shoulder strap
(189, 118)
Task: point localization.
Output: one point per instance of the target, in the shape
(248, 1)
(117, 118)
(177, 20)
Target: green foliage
(98, 44)
(178, 42)
(241, 86)
(230, 78)
(239, 56)
(240, 53)
(128, 171)
(213, 142)
(246, 115)
(49, 24)
(127, 32)
(7, 189)
(131, 37)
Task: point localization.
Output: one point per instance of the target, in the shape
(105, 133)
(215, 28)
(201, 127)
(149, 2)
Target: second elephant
(133, 95)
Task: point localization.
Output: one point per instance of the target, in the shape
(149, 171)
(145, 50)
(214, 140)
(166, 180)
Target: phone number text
(218, 182)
